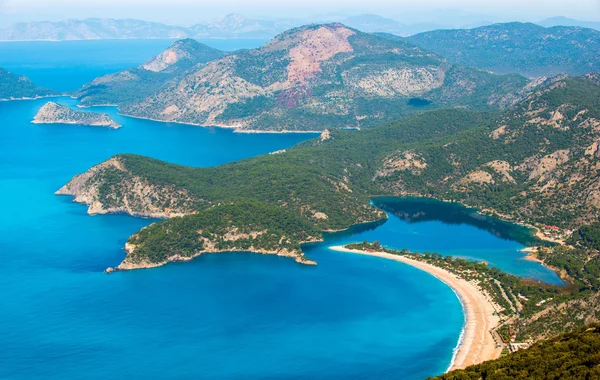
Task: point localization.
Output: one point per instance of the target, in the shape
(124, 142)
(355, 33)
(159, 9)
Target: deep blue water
(227, 316)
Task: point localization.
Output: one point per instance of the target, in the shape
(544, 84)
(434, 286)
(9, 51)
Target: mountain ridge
(321, 74)
(229, 26)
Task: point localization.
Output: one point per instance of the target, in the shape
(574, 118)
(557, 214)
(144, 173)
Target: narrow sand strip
(477, 342)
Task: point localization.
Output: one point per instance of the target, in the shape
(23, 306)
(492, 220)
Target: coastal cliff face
(110, 188)
(310, 78)
(53, 113)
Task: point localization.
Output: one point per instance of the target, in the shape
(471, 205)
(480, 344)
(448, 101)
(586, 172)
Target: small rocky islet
(54, 113)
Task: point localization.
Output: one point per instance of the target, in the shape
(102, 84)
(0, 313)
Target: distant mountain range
(565, 21)
(230, 26)
(523, 48)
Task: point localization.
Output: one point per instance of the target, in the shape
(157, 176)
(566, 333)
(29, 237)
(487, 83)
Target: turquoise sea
(227, 316)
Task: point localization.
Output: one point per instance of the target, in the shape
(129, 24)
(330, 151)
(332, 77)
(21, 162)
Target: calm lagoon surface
(226, 316)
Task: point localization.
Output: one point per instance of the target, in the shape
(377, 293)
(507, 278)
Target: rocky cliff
(110, 188)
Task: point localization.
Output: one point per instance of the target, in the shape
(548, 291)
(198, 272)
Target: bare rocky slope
(316, 77)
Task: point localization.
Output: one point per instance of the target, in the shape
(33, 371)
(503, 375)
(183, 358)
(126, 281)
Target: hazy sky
(193, 11)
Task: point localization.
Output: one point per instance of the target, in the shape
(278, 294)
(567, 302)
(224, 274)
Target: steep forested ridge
(574, 355)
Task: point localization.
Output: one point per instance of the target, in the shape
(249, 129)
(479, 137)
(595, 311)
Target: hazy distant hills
(565, 21)
(523, 48)
(308, 78)
(238, 26)
(230, 26)
(90, 29)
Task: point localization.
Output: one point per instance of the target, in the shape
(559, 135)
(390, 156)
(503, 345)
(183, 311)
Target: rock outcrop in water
(53, 113)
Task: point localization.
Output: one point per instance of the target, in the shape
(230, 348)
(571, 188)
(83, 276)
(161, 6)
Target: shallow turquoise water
(228, 316)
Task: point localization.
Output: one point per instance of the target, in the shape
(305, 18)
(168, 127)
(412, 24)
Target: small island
(53, 113)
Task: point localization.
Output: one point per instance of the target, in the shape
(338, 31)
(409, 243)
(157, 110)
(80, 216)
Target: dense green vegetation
(574, 355)
(232, 227)
(524, 144)
(587, 236)
(13, 86)
(522, 48)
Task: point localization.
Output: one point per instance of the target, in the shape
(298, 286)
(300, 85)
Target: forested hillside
(13, 86)
(521, 48)
(132, 84)
(574, 355)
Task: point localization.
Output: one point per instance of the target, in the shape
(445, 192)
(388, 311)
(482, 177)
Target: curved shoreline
(476, 343)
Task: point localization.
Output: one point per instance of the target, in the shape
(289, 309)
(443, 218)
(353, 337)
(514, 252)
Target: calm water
(228, 316)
